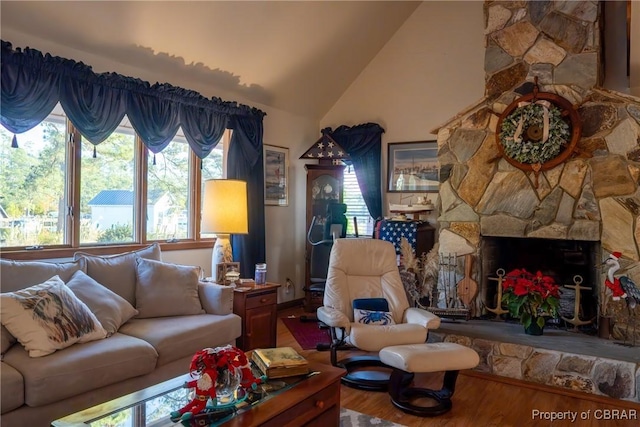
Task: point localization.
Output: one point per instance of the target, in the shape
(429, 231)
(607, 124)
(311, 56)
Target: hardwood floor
(482, 399)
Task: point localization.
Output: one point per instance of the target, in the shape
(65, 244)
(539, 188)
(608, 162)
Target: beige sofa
(173, 317)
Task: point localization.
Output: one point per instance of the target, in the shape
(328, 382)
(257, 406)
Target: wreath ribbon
(517, 136)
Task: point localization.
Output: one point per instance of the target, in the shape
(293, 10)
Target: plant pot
(605, 327)
(533, 328)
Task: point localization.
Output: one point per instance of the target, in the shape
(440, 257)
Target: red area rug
(308, 334)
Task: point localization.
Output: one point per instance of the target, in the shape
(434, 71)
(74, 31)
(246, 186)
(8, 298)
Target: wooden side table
(257, 306)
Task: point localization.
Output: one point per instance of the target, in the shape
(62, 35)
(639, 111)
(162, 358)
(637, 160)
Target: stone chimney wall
(593, 195)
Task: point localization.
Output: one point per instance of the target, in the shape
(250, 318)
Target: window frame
(72, 196)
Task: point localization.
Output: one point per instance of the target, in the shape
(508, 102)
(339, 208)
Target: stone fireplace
(581, 210)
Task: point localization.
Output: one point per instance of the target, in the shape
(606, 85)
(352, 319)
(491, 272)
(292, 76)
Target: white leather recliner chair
(364, 269)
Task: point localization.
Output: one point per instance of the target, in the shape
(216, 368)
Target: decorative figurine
(577, 286)
(213, 370)
(622, 287)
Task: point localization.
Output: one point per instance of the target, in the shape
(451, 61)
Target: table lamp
(224, 212)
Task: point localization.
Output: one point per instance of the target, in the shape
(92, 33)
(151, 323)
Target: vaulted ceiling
(298, 56)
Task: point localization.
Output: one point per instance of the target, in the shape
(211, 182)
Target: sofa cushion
(181, 336)
(7, 340)
(164, 289)
(11, 387)
(110, 308)
(82, 368)
(118, 272)
(48, 317)
(21, 274)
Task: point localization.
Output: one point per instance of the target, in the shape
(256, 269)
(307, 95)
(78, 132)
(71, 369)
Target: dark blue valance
(33, 83)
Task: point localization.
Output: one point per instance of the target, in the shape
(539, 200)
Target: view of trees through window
(32, 187)
(106, 189)
(37, 187)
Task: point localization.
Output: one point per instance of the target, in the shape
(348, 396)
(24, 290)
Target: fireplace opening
(563, 260)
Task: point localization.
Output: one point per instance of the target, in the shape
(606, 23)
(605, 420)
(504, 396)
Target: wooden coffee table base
(314, 401)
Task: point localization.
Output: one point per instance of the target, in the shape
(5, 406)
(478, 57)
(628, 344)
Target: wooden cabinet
(314, 402)
(324, 186)
(257, 306)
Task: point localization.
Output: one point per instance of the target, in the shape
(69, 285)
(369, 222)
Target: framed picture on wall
(412, 167)
(276, 175)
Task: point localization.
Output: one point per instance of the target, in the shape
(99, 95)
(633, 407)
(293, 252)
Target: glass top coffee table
(151, 406)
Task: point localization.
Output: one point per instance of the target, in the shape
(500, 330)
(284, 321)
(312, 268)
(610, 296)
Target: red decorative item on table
(207, 365)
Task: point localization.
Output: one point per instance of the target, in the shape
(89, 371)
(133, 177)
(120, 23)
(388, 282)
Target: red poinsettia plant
(531, 297)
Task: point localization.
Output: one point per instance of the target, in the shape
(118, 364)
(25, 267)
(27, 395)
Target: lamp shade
(224, 208)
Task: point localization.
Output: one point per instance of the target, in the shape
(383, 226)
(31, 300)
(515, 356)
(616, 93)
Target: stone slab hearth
(559, 358)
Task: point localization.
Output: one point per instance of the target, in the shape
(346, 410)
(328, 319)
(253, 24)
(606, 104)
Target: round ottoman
(406, 360)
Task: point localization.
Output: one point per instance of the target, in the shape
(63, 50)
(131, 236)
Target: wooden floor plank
(480, 399)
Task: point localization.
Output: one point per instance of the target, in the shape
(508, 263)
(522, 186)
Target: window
(107, 190)
(111, 183)
(32, 188)
(168, 191)
(356, 207)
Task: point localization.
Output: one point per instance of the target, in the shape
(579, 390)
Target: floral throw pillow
(48, 317)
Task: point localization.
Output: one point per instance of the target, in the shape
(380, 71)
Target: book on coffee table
(280, 362)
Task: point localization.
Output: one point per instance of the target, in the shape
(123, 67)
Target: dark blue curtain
(29, 90)
(245, 162)
(363, 143)
(33, 83)
(203, 131)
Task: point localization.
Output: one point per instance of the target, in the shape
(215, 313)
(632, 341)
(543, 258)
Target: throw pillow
(164, 289)
(372, 311)
(376, 304)
(21, 274)
(48, 317)
(118, 272)
(371, 317)
(110, 308)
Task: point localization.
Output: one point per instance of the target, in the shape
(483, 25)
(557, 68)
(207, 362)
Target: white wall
(430, 70)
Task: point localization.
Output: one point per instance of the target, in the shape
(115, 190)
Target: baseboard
(290, 304)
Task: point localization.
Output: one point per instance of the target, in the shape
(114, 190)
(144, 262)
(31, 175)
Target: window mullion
(74, 160)
(195, 202)
(140, 191)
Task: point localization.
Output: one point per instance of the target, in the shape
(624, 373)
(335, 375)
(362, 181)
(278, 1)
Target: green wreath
(522, 133)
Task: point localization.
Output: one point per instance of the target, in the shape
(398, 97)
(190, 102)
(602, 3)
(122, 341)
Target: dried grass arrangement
(419, 274)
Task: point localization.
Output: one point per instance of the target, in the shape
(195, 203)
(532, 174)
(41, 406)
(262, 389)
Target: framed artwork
(223, 268)
(412, 167)
(276, 175)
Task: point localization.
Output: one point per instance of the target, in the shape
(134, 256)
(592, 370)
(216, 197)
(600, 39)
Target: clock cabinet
(324, 186)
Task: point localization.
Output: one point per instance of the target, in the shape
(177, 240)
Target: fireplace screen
(561, 259)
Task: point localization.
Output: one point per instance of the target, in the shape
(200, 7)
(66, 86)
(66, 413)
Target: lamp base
(221, 253)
